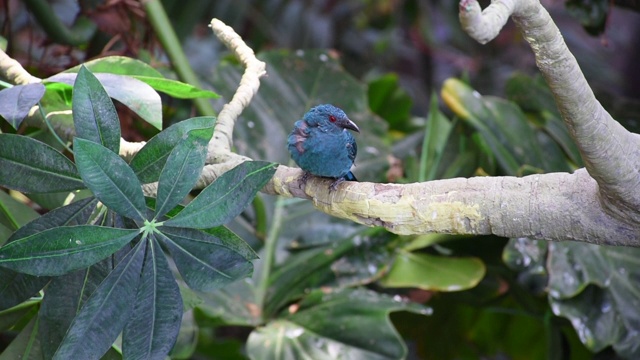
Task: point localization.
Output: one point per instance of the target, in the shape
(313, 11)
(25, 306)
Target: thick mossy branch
(611, 153)
(557, 206)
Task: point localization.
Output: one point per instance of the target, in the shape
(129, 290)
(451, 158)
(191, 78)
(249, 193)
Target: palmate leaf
(60, 250)
(350, 324)
(110, 179)
(182, 169)
(94, 115)
(153, 329)
(226, 197)
(150, 160)
(206, 262)
(106, 312)
(31, 166)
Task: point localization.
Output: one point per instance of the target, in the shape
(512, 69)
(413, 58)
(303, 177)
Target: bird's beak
(348, 124)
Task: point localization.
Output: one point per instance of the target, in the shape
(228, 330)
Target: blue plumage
(321, 144)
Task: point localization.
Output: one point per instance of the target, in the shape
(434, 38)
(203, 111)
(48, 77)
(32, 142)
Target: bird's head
(329, 118)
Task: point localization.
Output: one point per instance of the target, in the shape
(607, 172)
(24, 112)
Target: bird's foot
(334, 185)
(303, 179)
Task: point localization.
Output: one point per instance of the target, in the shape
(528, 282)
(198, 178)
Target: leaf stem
(269, 254)
(171, 44)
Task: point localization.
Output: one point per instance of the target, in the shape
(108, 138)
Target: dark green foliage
(114, 278)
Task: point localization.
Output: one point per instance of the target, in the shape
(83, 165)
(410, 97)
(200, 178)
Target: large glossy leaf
(234, 304)
(389, 100)
(205, 262)
(182, 169)
(341, 263)
(150, 160)
(436, 134)
(64, 297)
(298, 81)
(226, 197)
(349, 324)
(133, 93)
(535, 98)
(469, 106)
(122, 65)
(119, 65)
(110, 179)
(94, 115)
(16, 101)
(430, 272)
(176, 89)
(154, 326)
(106, 312)
(60, 250)
(598, 289)
(29, 165)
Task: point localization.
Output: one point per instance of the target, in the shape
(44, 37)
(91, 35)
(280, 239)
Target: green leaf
(60, 250)
(597, 289)
(154, 326)
(9, 318)
(175, 88)
(106, 312)
(436, 133)
(205, 262)
(391, 102)
(340, 263)
(234, 304)
(431, 272)
(16, 287)
(226, 197)
(94, 115)
(63, 298)
(29, 165)
(26, 345)
(120, 65)
(535, 98)
(14, 213)
(133, 93)
(472, 108)
(150, 160)
(110, 179)
(350, 324)
(16, 101)
(182, 169)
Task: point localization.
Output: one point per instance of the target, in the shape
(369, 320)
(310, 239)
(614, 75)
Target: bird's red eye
(332, 118)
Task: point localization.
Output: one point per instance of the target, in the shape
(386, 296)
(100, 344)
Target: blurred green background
(386, 63)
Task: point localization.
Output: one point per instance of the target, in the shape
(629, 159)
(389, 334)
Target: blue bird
(321, 145)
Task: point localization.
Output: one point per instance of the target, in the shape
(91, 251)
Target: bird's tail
(350, 177)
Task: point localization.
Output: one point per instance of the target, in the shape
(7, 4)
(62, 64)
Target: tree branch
(611, 153)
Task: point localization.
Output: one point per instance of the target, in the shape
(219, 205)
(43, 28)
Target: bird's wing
(352, 148)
